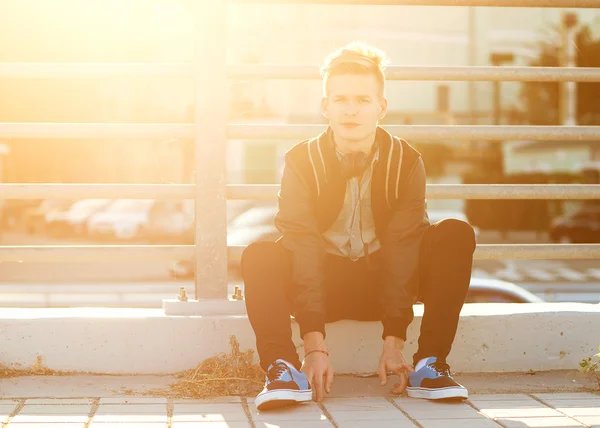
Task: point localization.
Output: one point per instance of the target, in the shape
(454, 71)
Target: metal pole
(210, 121)
(472, 62)
(497, 103)
(569, 23)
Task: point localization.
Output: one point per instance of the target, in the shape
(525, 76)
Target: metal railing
(210, 131)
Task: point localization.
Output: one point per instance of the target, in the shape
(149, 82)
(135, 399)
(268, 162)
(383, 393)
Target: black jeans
(446, 258)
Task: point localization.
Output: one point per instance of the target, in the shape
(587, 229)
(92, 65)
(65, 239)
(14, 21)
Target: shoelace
(441, 368)
(276, 371)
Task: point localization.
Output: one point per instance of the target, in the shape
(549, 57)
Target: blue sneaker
(432, 380)
(284, 385)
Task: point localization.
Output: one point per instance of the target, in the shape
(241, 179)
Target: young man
(356, 244)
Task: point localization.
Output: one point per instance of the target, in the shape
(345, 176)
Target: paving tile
(207, 400)
(359, 415)
(292, 424)
(131, 413)
(303, 412)
(580, 411)
(481, 422)
(8, 402)
(7, 409)
(515, 409)
(4, 416)
(377, 423)
(463, 413)
(52, 414)
(52, 425)
(209, 412)
(133, 400)
(574, 403)
(183, 408)
(418, 403)
(591, 421)
(498, 397)
(122, 425)
(500, 404)
(566, 396)
(432, 406)
(523, 412)
(210, 425)
(538, 422)
(57, 401)
(353, 404)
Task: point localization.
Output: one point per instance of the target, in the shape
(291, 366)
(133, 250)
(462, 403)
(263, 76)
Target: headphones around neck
(355, 164)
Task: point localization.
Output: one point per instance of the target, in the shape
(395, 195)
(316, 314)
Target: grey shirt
(355, 219)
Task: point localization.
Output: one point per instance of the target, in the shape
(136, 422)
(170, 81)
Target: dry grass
(36, 369)
(232, 374)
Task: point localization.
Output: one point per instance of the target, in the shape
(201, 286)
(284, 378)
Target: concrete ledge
(491, 338)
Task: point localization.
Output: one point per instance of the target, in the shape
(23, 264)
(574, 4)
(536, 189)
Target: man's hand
(317, 366)
(393, 361)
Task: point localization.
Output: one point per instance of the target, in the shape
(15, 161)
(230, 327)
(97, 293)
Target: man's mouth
(350, 125)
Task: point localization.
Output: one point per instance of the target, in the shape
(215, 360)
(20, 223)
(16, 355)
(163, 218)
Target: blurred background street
(161, 31)
(146, 284)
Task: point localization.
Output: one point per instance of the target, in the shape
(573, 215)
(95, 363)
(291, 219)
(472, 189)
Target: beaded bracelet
(316, 350)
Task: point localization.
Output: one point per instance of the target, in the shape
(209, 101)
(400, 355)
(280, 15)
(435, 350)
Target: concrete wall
(491, 338)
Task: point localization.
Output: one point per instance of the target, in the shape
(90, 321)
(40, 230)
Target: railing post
(211, 103)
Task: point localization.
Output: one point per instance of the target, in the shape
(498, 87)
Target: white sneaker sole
(281, 397)
(438, 393)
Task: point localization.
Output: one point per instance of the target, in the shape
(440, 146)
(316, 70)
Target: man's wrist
(393, 342)
(314, 340)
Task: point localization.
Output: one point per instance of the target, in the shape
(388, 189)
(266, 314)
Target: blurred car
(123, 219)
(14, 209)
(171, 221)
(253, 224)
(36, 218)
(257, 224)
(2, 224)
(439, 215)
(73, 221)
(581, 227)
(486, 290)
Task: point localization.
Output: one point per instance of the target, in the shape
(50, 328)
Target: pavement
(546, 399)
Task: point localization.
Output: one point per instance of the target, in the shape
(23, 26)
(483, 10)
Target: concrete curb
(490, 338)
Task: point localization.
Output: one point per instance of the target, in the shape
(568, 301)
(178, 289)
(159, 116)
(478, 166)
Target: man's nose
(351, 109)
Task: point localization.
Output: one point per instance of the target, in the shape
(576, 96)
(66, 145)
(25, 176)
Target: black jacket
(310, 200)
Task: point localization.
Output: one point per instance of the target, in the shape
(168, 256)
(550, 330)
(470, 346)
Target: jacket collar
(383, 142)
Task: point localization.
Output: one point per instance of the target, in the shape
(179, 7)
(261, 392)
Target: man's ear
(383, 104)
(324, 104)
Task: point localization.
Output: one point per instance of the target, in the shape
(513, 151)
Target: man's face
(354, 105)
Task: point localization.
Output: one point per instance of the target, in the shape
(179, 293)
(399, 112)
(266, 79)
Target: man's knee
(457, 231)
(257, 252)
(260, 257)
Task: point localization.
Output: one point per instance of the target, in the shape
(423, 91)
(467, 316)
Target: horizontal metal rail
(128, 253)
(73, 70)
(448, 73)
(425, 132)
(454, 191)
(96, 130)
(97, 191)
(269, 191)
(490, 3)
(295, 132)
(279, 71)
(94, 253)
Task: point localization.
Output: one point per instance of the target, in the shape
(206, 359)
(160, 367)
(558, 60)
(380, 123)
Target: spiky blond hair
(355, 58)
